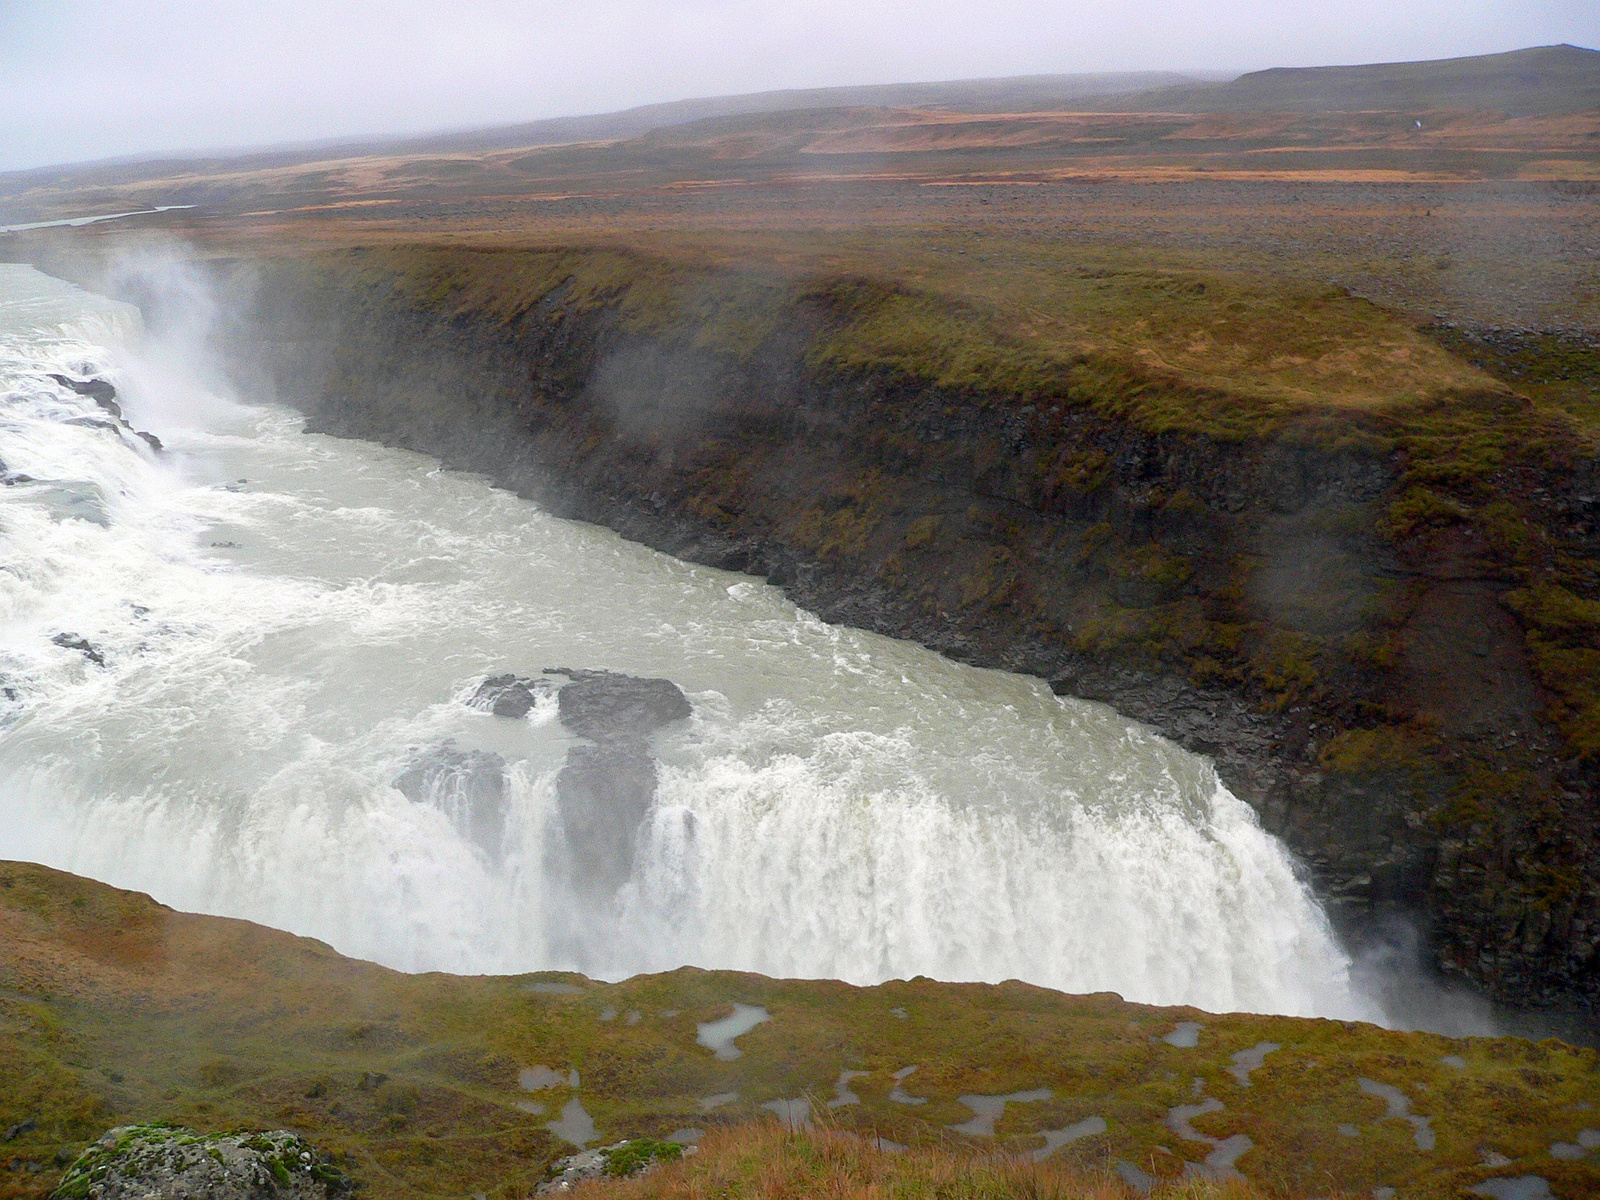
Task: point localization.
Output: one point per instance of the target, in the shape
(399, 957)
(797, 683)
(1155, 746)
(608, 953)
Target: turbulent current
(219, 657)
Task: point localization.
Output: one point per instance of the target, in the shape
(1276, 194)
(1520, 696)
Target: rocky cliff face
(1284, 603)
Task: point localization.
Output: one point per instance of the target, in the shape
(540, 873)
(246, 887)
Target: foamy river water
(285, 622)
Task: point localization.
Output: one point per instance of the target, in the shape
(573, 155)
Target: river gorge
(221, 655)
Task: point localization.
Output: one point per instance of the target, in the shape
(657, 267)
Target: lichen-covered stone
(141, 1162)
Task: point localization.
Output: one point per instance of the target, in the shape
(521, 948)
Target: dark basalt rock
(604, 791)
(605, 706)
(468, 786)
(71, 641)
(118, 427)
(603, 794)
(93, 423)
(508, 695)
(101, 391)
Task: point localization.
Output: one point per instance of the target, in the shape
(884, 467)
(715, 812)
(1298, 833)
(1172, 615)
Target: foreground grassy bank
(115, 1009)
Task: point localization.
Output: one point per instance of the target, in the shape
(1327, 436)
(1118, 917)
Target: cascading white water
(286, 620)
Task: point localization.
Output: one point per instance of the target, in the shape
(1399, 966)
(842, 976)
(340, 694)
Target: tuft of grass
(1563, 636)
(1356, 751)
(638, 1153)
(763, 1161)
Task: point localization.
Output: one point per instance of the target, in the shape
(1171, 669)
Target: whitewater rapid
(286, 621)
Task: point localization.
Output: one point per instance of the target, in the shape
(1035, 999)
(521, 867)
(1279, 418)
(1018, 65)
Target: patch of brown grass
(766, 1162)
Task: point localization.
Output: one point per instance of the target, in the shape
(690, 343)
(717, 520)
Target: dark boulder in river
(468, 786)
(101, 391)
(507, 695)
(605, 706)
(604, 791)
(71, 641)
(93, 423)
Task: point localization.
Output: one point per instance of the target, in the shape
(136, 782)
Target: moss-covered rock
(138, 1162)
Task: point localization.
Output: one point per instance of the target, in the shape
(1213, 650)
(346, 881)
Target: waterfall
(236, 675)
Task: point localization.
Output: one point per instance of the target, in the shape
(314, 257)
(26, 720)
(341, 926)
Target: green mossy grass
(638, 1153)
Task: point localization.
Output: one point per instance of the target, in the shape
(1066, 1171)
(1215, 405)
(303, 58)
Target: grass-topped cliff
(1165, 350)
(116, 1010)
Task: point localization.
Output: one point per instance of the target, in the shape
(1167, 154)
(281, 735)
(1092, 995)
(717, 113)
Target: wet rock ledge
(604, 789)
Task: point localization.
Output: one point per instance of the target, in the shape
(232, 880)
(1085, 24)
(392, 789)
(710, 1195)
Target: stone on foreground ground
(169, 1162)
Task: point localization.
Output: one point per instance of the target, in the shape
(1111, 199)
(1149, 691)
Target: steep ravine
(1371, 696)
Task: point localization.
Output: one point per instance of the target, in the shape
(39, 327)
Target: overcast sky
(82, 79)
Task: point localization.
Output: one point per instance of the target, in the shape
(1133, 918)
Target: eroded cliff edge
(1381, 624)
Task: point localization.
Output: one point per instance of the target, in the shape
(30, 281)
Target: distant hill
(1540, 81)
(1024, 93)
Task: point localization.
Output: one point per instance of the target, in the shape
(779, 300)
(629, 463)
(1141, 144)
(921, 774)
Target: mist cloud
(85, 79)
